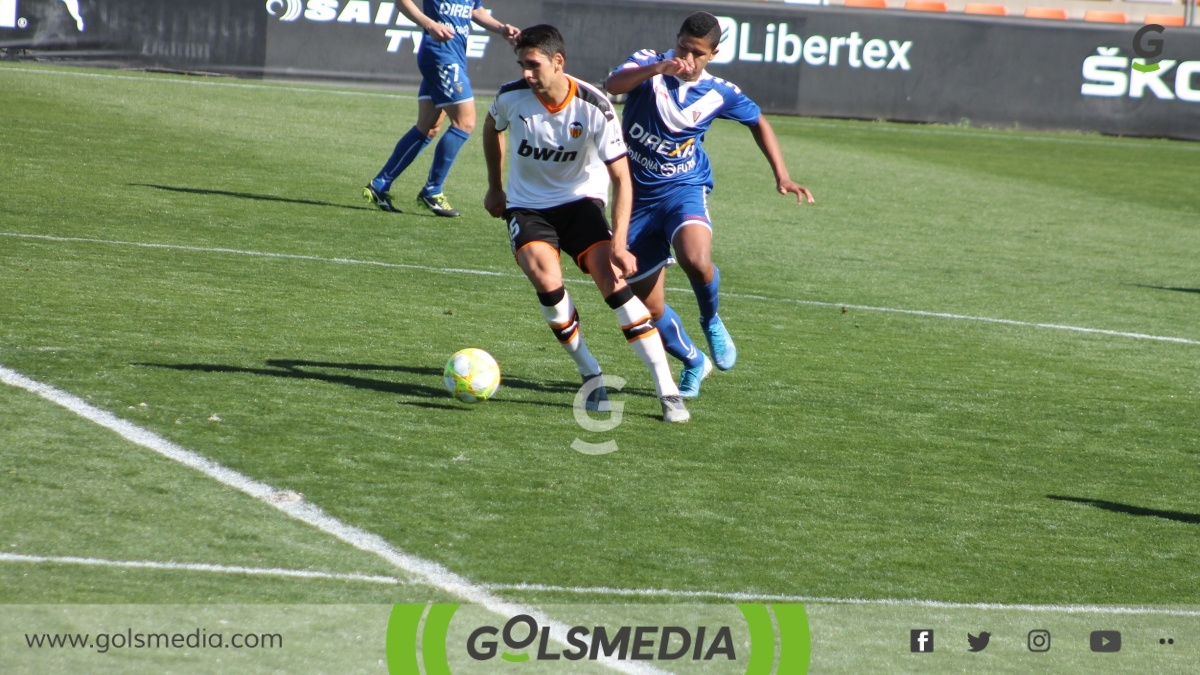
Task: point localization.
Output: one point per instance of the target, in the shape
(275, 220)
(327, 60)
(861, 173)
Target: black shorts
(574, 227)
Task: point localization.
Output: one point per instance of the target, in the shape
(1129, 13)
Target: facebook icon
(921, 640)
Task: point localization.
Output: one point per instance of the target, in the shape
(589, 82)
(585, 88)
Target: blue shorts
(444, 83)
(655, 221)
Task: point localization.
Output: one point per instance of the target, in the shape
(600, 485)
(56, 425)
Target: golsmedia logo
(1147, 47)
(751, 638)
(368, 13)
(641, 643)
(775, 43)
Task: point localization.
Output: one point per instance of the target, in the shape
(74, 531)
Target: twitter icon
(980, 642)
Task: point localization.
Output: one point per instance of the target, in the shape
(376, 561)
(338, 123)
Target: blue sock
(706, 297)
(676, 340)
(443, 158)
(407, 148)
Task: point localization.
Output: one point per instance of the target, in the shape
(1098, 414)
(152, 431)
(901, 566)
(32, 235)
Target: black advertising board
(206, 35)
(792, 59)
(918, 66)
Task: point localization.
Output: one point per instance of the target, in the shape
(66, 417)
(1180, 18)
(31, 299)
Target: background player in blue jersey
(671, 103)
(445, 90)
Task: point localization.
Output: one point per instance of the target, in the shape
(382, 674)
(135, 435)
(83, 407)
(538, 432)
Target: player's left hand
(802, 193)
(440, 32)
(624, 261)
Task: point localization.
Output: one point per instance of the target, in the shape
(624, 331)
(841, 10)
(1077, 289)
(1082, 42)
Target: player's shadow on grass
(1169, 288)
(293, 369)
(1178, 516)
(250, 195)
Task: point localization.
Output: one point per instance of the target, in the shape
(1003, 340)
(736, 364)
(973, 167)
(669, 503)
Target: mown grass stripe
(743, 296)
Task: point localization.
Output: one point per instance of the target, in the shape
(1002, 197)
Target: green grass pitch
(852, 453)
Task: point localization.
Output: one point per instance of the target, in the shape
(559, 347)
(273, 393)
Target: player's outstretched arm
(764, 135)
(493, 156)
(504, 30)
(626, 79)
(438, 31)
(622, 204)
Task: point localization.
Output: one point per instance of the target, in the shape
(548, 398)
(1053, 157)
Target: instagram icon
(1039, 640)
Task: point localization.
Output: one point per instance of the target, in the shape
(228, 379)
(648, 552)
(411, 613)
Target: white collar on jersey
(682, 92)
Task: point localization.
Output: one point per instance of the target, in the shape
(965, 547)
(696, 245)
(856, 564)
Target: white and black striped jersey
(557, 154)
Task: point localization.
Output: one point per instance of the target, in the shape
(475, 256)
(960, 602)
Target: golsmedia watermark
(638, 643)
(200, 638)
(745, 638)
(1149, 48)
(615, 409)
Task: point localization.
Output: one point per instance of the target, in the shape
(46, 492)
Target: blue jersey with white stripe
(665, 120)
(457, 15)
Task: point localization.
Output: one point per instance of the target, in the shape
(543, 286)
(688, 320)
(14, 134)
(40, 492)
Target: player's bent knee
(696, 267)
(539, 261)
(462, 116)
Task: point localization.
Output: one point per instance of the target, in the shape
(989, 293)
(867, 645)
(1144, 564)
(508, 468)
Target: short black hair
(702, 25)
(542, 37)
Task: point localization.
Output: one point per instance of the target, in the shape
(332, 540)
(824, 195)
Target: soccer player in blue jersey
(671, 103)
(445, 91)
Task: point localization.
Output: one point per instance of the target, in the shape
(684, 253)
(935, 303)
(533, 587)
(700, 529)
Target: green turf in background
(855, 454)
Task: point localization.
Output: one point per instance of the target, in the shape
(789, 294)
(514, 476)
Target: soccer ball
(472, 375)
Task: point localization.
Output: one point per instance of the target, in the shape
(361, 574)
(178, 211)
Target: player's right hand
(677, 66)
(624, 261)
(440, 32)
(495, 201)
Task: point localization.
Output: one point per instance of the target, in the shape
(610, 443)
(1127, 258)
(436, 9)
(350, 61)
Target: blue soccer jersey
(457, 15)
(665, 120)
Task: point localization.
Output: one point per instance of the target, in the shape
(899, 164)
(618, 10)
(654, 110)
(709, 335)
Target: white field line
(816, 600)
(198, 567)
(965, 317)
(209, 83)
(261, 254)
(424, 571)
(935, 130)
(744, 296)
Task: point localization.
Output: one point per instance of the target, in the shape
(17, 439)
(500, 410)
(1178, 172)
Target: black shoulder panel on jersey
(590, 95)
(513, 86)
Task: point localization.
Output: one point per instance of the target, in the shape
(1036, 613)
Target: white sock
(647, 343)
(564, 321)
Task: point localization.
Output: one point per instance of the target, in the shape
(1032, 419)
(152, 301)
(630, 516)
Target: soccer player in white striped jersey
(671, 103)
(564, 147)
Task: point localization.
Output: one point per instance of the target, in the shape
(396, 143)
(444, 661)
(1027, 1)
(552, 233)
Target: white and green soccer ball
(472, 375)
